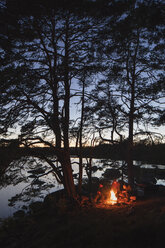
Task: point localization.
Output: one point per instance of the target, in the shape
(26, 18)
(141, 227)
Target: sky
(74, 114)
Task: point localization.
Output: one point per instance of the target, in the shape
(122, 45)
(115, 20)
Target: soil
(140, 224)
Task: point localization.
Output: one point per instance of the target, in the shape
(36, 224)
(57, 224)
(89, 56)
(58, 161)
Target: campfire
(112, 198)
(117, 194)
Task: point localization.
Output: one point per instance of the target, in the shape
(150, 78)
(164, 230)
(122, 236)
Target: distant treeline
(150, 153)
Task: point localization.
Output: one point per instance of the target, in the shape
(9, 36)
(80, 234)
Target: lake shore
(140, 224)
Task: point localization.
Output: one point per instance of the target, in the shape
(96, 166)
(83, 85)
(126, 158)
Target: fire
(117, 194)
(112, 199)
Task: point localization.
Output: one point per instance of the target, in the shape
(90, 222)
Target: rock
(19, 214)
(52, 199)
(62, 206)
(36, 207)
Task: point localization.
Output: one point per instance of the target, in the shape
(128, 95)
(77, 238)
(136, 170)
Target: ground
(141, 224)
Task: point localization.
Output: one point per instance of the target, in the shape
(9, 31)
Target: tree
(47, 48)
(132, 85)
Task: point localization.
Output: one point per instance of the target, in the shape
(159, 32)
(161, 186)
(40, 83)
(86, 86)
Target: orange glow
(112, 199)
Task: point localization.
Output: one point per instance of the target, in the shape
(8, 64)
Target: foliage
(53, 53)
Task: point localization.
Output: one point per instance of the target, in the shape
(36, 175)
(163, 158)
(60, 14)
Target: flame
(113, 199)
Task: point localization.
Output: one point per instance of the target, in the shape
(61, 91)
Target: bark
(130, 151)
(130, 136)
(80, 142)
(68, 181)
(131, 113)
(56, 127)
(90, 177)
(67, 90)
(56, 124)
(65, 159)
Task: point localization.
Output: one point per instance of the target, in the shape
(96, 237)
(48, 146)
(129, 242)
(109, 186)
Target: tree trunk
(131, 112)
(65, 159)
(69, 186)
(130, 138)
(130, 153)
(90, 178)
(80, 143)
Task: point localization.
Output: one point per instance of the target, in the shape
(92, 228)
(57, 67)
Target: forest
(80, 79)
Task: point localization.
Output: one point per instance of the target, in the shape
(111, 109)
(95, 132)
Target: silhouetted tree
(132, 85)
(48, 46)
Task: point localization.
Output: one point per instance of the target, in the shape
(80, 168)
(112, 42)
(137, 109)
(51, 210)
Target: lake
(100, 166)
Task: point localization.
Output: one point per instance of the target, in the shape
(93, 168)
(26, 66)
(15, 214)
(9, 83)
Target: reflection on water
(161, 182)
(99, 168)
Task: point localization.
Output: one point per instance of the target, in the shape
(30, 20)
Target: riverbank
(141, 224)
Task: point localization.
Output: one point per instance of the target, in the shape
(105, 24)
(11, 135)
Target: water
(9, 191)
